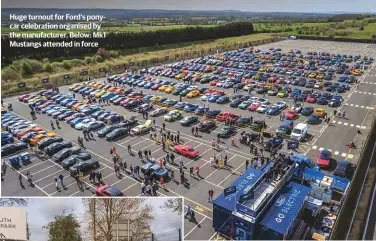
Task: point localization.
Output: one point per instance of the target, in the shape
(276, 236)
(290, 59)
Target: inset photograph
(91, 219)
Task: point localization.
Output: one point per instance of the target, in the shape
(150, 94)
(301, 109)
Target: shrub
(36, 65)
(77, 62)
(9, 74)
(26, 68)
(361, 28)
(98, 59)
(88, 60)
(66, 64)
(114, 53)
(48, 67)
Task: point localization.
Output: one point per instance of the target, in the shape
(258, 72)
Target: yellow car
(91, 84)
(97, 85)
(197, 75)
(100, 93)
(312, 75)
(263, 69)
(72, 87)
(193, 93)
(34, 99)
(154, 99)
(170, 89)
(268, 86)
(319, 112)
(320, 76)
(34, 140)
(180, 76)
(163, 87)
(357, 72)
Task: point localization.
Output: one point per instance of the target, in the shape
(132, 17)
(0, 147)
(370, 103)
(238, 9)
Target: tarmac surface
(359, 105)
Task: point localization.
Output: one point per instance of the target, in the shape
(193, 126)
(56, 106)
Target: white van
(299, 132)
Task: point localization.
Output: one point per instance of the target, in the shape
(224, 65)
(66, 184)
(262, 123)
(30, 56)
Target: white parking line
(33, 166)
(195, 227)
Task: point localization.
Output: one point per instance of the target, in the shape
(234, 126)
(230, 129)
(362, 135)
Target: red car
(214, 82)
(185, 150)
(223, 116)
(254, 106)
(108, 191)
(20, 98)
(156, 87)
(214, 92)
(311, 99)
(234, 117)
(47, 103)
(291, 114)
(72, 117)
(323, 159)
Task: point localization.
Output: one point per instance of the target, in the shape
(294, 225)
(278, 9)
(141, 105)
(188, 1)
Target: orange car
(76, 106)
(38, 138)
(28, 130)
(114, 89)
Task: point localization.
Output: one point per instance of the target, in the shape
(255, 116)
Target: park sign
(45, 81)
(21, 85)
(85, 72)
(102, 69)
(66, 76)
(13, 223)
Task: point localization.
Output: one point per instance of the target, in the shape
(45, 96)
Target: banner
(292, 145)
(22, 85)
(102, 69)
(85, 72)
(66, 76)
(45, 81)
(229, 191)
(13, 223)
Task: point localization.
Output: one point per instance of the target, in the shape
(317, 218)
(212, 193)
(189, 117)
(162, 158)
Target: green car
(273, 92)
(283, 93)
(177, 91)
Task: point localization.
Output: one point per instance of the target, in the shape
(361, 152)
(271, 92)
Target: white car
(254, 99)
(57, 108)
(262, 108)
(158, 112)
(94, 92)
(281, 105)
(205, 97)
(298, 107)
(81, 125)
(289, 72)
(221, 83)
(192, 87)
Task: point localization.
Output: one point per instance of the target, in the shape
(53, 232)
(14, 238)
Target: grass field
(137, 56)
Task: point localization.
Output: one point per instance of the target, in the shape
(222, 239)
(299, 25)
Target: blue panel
(285, 209)
(243, 184)
(339, 183)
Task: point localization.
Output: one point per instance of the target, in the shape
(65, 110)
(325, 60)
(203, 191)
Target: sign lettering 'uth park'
(13, 223)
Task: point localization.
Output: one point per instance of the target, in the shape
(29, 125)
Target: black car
(107, 129)
(227, 131)
(70, 161)
(83, 166)
(206, 125)
(189, 120)
(343, 169)
(65, 153)
(116, 134)
(56, 147)
(248, 135)
(13, 148)
(48, 141)
(257, 125)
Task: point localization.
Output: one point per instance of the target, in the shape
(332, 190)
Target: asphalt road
(359, 107)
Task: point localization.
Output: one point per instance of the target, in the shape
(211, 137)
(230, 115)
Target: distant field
(7, 30)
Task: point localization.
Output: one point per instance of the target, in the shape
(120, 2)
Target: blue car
(222, 100)
(6, 138)
(77, 120)
(71, 103)
(214, 98)
(322, 101)
(201, 110)
(313, 119)
(190, 107)
(180, 105)
(306, 111)
(157, 170)
(108, 96)
(235, 103)
(148, 85)
(146, 98)
(272, 110)
(213, 113)
(114, 118)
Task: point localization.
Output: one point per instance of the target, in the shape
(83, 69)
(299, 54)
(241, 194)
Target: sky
(42, 210)
(243, 5)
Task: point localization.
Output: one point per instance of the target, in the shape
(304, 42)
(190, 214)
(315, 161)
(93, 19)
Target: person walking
(57, 124)
(154, 189)
(56, 183)
(172, 158)
(197, 169)
(161, 181)
(210, 198)
(191, 171)
(61, 178)
(129, 149)
(188, 213)
(246, 164)
(143, 187)
(52, 124)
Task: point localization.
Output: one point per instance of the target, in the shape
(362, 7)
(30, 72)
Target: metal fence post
(179, 231)
(152, 237)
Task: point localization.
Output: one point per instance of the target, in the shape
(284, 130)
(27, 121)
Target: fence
(349, 206)
(324, 38)
(90, 72)
(174, 235)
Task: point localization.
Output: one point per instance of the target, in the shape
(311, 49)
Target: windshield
(297, 131)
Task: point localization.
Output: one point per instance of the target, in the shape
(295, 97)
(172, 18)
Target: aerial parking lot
(317, 105)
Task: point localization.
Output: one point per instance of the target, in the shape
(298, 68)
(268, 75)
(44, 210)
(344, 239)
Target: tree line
(124, 40)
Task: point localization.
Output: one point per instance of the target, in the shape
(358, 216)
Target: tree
(102, 213)
(64, 227)
(13, 201)
(175, 204)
